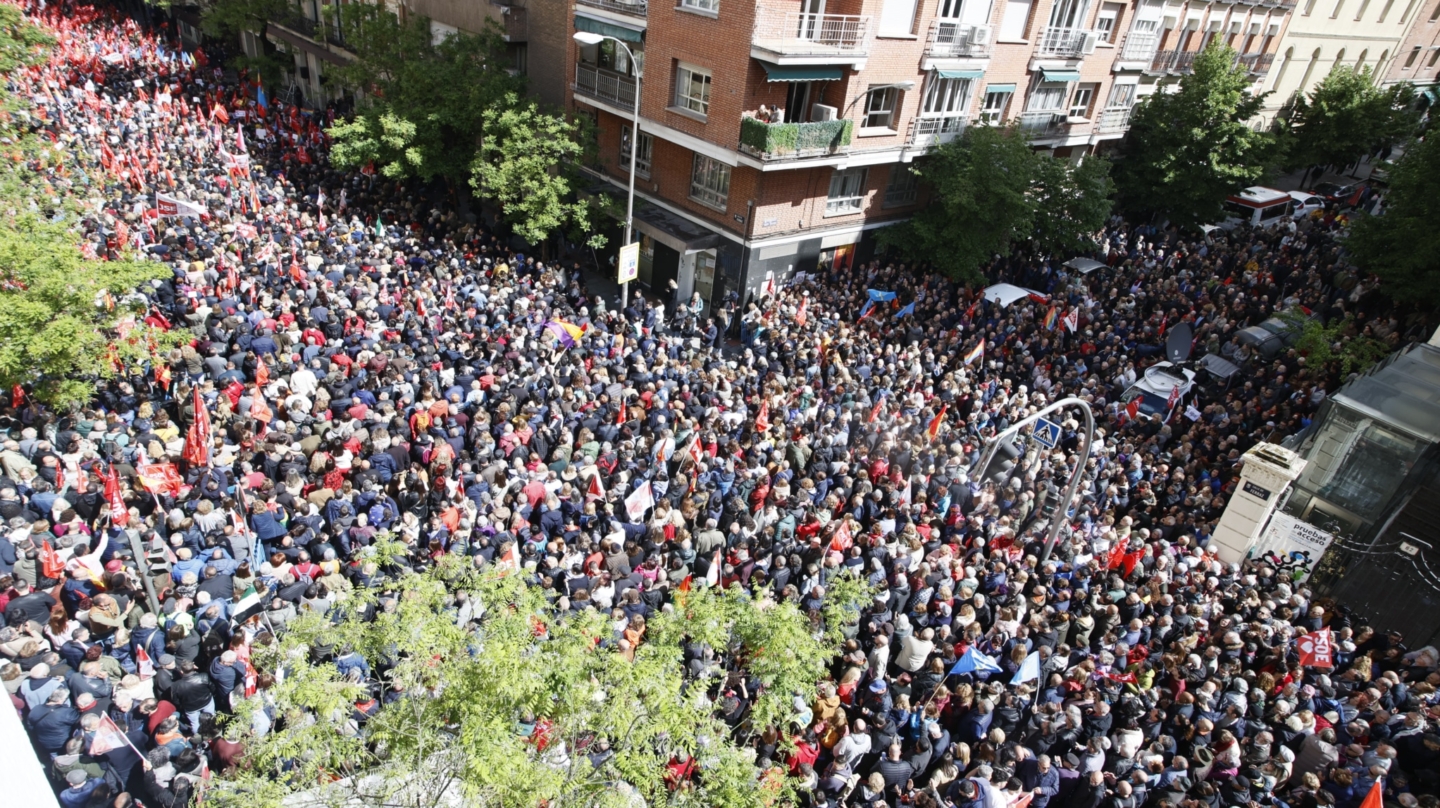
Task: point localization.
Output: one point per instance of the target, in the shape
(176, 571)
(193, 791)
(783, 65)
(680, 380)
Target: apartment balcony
(604, 85)
(1256, 64)
(1066, 43)
(1180, 62)
(952, 40)
(933, 131)
(636, 9)
(315, 31)
(794, 141)
(796, 38)
(1042, 124)
(1113, 121)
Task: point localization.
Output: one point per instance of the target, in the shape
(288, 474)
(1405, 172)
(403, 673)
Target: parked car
(1306, 203)
(1340, 195)
(1269, 338)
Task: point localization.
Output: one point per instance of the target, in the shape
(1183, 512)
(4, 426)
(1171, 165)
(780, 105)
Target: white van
(1257, 206)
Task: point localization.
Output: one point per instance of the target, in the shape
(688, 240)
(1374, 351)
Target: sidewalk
(1291, 182)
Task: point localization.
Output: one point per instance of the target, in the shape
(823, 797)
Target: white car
(1156, 388)
(1306, 203)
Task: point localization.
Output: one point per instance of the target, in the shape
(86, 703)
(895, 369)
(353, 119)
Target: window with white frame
(1107, 22)
(903, 188)
(996, 101)
(1080, 102)
(880, 106)
(1410, 60)
(711, 6)
(642, 157)
(1122, 96)
(847, 192)
(692, 88)
(945, 97)
(710, 182)
(1047, 98)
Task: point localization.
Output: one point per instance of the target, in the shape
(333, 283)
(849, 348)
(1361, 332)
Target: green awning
(999, 88)
(1429, 93)
(594, 26)
(960, 74)
(774, 72)
(1060, 75)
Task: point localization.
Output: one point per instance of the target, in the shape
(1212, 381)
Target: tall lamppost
(588, 38)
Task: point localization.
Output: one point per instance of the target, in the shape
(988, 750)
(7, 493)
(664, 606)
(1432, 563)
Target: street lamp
(588, 38)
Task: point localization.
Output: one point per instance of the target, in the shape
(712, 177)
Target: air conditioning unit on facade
(980, 35)
(823, 112)
(1088, 41)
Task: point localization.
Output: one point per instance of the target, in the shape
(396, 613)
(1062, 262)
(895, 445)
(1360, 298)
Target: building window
(1107, 22)
(880, 107)
(1015, 22)
(710, 182)
(946, 97)
(1122, 96)
(1434, 15)
(847, 192)
(993, 112)
(1080, 103)
(642, 158)
(692, 89)
(1410, 60)
(708, 6)
(1047, 99)
(1309, 7)
(897, 17)
(1434, 57)
(903, 188)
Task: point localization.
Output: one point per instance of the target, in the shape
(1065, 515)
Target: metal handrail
(636, 9)
(605, 85)
(814, 34)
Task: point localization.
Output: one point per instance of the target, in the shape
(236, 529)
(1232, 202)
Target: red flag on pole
(198, 438)
(594, 489)
(1317, 650)
(108, 738)
(119, 514)
(934, 429)
(762, 420)
(1375, 798)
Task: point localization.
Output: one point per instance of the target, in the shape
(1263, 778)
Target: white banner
(170, 206)
(1292, 545)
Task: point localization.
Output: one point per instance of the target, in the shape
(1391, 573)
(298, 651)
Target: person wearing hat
(79, 786)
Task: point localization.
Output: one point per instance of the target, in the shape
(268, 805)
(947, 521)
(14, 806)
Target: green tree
(57, 331)
(1325, 345)
(21, 42)
(434, 95)
(501, 712)
(1402, 245)
(1188, 149)
(524, 166)
(1345, 117)
(1072, 203)
(981, 201)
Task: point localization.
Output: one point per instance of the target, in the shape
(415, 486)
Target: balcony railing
(1139, 46)
(1061, 41)
(637, 9)
(796, 34)
(933, 131)
(1257, 64)
(605, 85)
(950, 39)
(902, 196)
(790, 141)
(1182, 61)
(1037, 124)
(1113, 120)
(311, 29)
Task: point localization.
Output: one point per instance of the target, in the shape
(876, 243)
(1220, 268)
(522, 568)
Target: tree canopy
(429, 96)
(528, 703)
(989, 190)
(1189, 148)
(1345, 117)
(1402, 245)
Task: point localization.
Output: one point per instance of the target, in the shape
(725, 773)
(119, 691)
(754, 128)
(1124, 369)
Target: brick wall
(550, 27)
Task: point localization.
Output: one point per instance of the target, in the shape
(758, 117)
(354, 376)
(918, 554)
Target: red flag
(875, 410)
(198, 438)
(1174, 397)
(695, 450)
(50, 564)
(144, 664)
(800, 315)
(620, 415)
(119, 514)
(594, 489)
(1117, 556)
(934, 429)
(1375, 798)
(259, 410)
(1317, 650)
(762, 420)
(1132, 410)
(1132, 558)
(17, 396)
(262, 372)
(841, 540)
(160, 478)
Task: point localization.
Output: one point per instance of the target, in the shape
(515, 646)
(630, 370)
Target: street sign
(1046, 432)
(629, 263)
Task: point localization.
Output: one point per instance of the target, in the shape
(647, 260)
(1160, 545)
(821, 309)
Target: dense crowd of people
(360, 361)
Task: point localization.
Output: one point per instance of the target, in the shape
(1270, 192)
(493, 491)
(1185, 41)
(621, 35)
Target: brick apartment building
(1417, 60)
(777, 135)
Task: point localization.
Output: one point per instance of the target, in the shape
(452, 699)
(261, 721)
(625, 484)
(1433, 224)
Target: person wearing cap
(79, 786)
